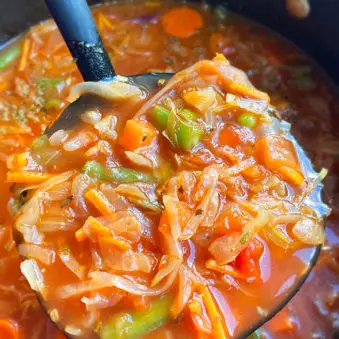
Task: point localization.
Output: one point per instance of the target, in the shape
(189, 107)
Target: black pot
(316, 34)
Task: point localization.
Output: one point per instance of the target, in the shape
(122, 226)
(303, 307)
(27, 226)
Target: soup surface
(37, 73)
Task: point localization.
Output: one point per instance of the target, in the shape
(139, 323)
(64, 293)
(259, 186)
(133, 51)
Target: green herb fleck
(220, 13)
(244, 239)
(7, 57)
(258, 334)
(65, 202)
(302, 79)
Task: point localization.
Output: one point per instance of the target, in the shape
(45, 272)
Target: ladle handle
(77, 26)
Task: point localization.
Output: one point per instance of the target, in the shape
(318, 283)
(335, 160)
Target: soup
(45, 89)
(186, 203)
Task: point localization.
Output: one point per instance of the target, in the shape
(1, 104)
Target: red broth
(35, 85)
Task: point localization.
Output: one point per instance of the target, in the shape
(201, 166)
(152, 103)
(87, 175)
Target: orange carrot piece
(9, 329)
(275, 151)
(96, 227)
(182, 22)
(121, 244)
(233, 136)
(214, 313)
(225, 269)
(251, 92)
(101, 232)
(99, 201)
(28, 177)
(24, 56)
(236, 217)
(137, 133)
(256, 172)
(291, 176)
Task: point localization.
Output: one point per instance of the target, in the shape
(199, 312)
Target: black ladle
(76, 24)
(79, 31)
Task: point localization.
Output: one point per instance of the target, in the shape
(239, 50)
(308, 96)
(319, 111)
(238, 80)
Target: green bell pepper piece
(135, 325)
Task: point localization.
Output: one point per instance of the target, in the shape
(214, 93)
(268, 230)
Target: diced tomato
(9, 329)
(275, 151)
(233, 136)
(247, 262)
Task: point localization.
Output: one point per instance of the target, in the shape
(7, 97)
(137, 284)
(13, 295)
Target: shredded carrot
(97, 229)
(225, 269)
(99, 201)
(252, 92)
(3, 86)
(182, 22)
(103, 22)
(24, 56)
(28, 177)
(213, 313)
(291, 175)
(9, 329)
(137, 133)
(121, 244)
(80, 235)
